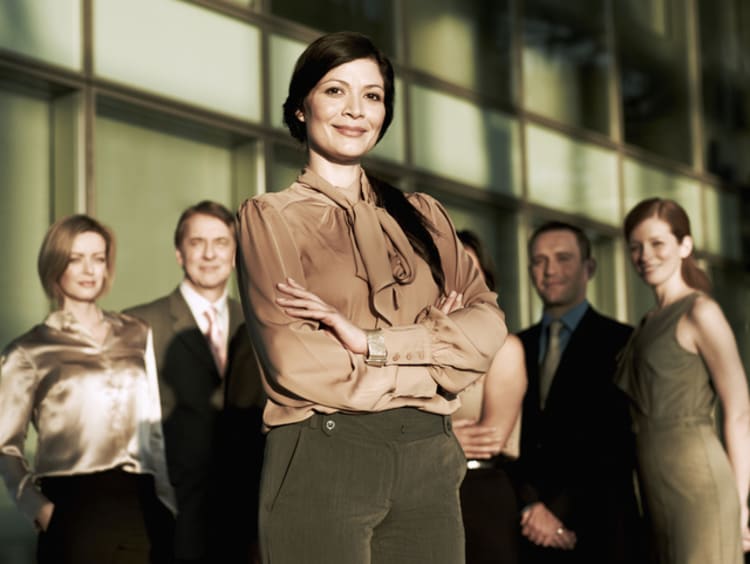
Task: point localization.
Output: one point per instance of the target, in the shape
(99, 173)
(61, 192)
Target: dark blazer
(213, 452)
(577, 455)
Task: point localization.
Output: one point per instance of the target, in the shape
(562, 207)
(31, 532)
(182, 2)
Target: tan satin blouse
(355, 257)
(94, 406)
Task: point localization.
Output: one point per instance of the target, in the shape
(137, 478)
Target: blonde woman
(85, 378)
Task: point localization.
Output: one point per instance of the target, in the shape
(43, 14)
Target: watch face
(376, 353)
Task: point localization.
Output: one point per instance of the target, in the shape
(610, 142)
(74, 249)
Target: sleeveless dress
(687, 484)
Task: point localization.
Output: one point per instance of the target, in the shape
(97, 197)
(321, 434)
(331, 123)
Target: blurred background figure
(214, 451)
(488, 427)
(680, 361)
(85, 378)
(575, 472)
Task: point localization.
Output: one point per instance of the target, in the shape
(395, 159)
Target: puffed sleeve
(152, 421)
(18, 382)
(460, 346)
(304, 365)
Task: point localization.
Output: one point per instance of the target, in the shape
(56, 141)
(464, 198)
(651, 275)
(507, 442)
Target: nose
(353, 107)
(88, 267)
(208, 251)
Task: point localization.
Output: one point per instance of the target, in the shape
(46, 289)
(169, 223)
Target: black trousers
(491, 516)
(111, 517)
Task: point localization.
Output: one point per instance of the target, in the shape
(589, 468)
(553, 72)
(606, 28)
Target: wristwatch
(376, 353)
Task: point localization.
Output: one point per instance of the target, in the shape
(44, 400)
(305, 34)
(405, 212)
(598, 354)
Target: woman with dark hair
(681, 358)
(341, 277)
(488, 427)
(86, 380)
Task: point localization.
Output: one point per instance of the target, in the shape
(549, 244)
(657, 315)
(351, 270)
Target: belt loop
(314, 421)
(447, 425)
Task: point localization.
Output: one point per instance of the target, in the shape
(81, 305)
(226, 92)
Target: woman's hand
(299, 302)
(745, 528)
(44, 516)
(478, 441)
(451, 302)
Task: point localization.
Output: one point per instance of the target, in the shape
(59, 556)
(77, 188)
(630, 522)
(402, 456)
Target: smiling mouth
(350, 131)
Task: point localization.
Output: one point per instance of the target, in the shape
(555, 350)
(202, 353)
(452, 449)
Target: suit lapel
(187, 330)
(236, 317)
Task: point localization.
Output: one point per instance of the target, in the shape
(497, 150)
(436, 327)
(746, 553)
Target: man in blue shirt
(575, 473)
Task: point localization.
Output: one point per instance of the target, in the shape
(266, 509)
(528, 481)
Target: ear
(590, 266)
(300, 115)
(178, 255)
(686, 246)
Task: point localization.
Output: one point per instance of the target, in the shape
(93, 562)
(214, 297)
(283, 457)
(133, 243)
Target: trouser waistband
(401, 424)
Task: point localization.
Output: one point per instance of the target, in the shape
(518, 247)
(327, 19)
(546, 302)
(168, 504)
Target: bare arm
(706, 330)
(502, 394)
(504, 388)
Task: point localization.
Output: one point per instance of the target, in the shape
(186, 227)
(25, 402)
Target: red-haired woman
(681, 358)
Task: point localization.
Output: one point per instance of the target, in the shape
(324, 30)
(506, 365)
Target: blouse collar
(383, 271)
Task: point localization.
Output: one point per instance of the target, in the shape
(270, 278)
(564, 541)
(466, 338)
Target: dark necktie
(551, 360)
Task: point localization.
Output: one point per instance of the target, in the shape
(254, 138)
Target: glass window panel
(49, 30)
(498, 231)
(604, 287)
(283, 54)
(464, 42)
(285, 167)
(652, 64)
(732, 291)
(572, 176)
(25, 211)
(460, 140)
(182, 51)
(723, 223)
(725, 67)
(643, 181)
(145, 177)
(566, 62)
(371, 17)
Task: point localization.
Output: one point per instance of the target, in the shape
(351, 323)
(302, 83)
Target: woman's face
(344, 112)
(656, 253)
(83, 279)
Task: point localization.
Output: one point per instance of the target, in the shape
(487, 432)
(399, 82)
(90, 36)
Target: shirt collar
(570, 319)
(199, 304)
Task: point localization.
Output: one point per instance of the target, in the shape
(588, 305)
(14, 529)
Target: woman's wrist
(376, 352)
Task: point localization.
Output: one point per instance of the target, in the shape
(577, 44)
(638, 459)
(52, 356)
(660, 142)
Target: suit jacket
(577, 454)
(214, 451)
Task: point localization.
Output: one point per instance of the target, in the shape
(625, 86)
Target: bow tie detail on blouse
(383, 270)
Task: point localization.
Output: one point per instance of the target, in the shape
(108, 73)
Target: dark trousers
(377, 488)
(491, 516)
(111, 517)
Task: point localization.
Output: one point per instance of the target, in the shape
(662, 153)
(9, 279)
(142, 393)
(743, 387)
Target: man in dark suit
(575, 472)
(202, 351)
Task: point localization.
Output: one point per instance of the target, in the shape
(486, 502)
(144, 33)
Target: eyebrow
(341, 81)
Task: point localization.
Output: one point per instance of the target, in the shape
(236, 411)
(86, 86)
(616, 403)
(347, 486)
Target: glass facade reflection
(566, 62)
(511, 112)
(652, 54)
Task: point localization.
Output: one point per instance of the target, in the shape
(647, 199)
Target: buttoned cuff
(408, 345)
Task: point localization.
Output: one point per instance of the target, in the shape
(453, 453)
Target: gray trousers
(376, 488)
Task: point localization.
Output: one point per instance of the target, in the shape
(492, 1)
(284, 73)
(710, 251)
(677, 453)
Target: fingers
(451, 302)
